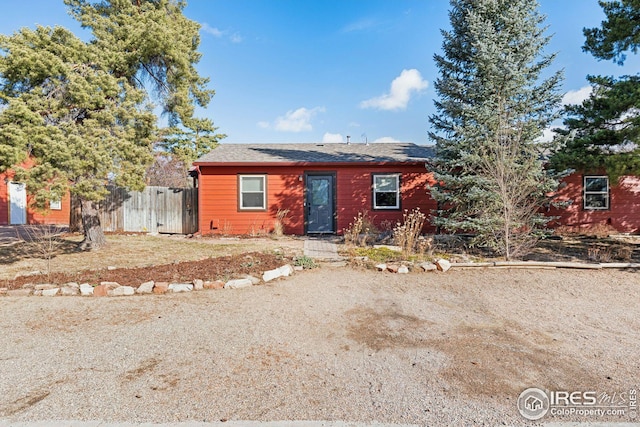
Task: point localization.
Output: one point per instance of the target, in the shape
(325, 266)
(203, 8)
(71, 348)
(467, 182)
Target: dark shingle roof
(317, 153)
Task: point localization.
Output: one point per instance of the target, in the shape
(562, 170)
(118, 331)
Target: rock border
(114, 289)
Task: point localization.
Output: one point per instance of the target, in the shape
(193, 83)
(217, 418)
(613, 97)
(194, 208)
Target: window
(252, 193)
(386, 191)
(55, 205)
(596, 192)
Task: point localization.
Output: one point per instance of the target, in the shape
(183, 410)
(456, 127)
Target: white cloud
(264, 125)
(218, 33)
(332, 138)
(576, 97)
(385, 139)
(359, 25)
(547, 135)
(402, 87)
(297, 120)
(211, 30)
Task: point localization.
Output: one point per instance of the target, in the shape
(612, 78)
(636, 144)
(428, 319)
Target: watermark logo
(533, 403)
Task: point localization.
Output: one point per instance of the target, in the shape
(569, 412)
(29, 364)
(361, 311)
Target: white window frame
(55, 205)
(396, 176)
(585, 193)
(241, 192)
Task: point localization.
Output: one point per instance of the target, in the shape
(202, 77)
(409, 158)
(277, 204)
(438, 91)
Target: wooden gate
(153, 210)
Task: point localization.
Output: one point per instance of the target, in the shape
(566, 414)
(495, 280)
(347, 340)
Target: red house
(242, 187)
(595, 200)
(15, 207)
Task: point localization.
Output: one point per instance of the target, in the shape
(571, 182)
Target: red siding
(624, 205)
(49, 216)
(285, 190)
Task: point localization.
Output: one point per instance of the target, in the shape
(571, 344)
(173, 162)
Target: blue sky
(312, 71)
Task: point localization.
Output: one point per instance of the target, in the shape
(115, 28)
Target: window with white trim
(386, 191)
(55, 205)
(596, 192)
(252, 192)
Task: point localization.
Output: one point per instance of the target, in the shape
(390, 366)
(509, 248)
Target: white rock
(50, 292)
(110, 285)
(69, 291)
(23, 292)
(254, 280)
(443, 264)
(122, 291)
(298, 268)
(381, 267)
(146, 287)
(428, 266)
(286, 270)
(43, 287)
(198, 284)
(269, 275)
(180, 287)
(238, 283)
(403, 269)
(71, 285)
(86, 289)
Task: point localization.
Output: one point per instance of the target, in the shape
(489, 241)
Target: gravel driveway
(331, 344)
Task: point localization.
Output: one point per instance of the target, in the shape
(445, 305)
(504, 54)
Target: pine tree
(82, 110)
(492, 107)
(603, 134)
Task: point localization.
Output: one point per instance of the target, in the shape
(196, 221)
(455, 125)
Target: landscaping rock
(3, 291)
(428, 266)
(216, 284)
(110, 285)
(180, 287)
(122, 291)
(160, 287)
(86, 290)
(71, 285)
(286, 270)
(254, 280)
(269, 275)
(198, 284)
(298, 268)
(238, 283)
(381, 267)
(443, 264)
(393, 268)
(19, 292)
(403, 269)
(44, 286)
(50, 292)
(27, 286)
(69, 291)
(145, 288)
(100, 291)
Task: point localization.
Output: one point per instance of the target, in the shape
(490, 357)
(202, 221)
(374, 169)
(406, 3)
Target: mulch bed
(220, 268)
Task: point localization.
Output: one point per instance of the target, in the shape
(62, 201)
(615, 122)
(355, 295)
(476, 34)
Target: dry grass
(121, 251)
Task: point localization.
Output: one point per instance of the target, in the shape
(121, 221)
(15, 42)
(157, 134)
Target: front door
(18, 203)
(320, 204)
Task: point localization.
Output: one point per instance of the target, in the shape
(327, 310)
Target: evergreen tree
(604, 132)
(82, 110)
(492, 107)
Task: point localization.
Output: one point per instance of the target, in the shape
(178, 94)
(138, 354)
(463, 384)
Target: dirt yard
(451, 348)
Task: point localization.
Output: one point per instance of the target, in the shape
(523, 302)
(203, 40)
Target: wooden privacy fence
(154, 210)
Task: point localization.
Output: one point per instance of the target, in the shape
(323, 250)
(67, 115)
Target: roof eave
(310, 164)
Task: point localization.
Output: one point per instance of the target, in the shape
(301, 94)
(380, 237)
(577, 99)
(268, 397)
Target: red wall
(49, 216)
(624, 205)
(218, 198)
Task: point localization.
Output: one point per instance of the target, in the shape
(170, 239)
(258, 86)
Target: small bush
(406, 234)
(305, 262)
(361, 230)
(278, 224)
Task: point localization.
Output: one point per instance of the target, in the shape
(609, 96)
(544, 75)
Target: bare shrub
(598, 253)
(43, 241)
(361, 230)
(278, 224)
(623, 253)
(406, 234)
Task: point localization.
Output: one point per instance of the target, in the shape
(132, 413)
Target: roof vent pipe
(348, 139)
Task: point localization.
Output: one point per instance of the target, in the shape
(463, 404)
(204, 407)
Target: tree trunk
(93, 235)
